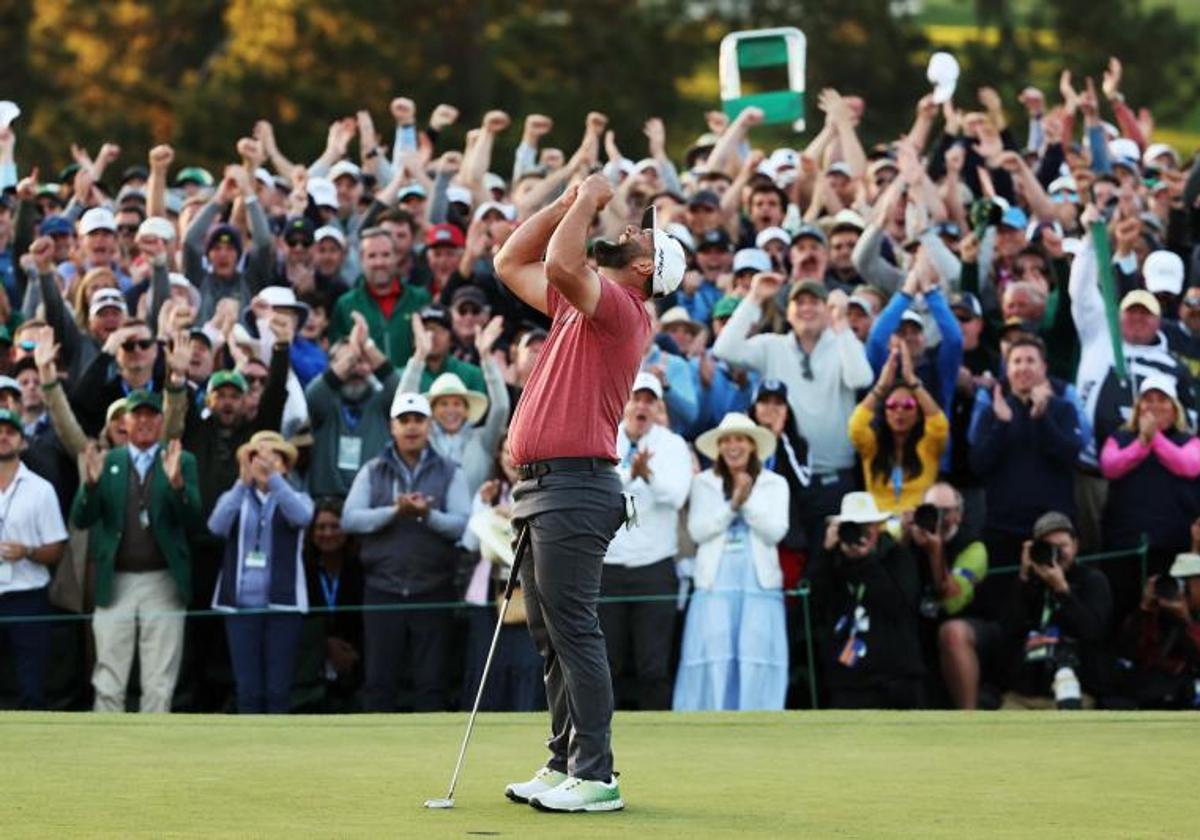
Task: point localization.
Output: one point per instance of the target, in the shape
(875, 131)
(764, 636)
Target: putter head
(439, 803)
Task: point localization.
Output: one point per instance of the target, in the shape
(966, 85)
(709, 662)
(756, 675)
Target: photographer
(865, 590)
(1057, 622)
(1159, 645)
(951, 562)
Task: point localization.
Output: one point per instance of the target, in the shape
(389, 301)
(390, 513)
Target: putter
(518, 554)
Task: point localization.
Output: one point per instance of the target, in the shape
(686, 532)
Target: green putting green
(793, 774)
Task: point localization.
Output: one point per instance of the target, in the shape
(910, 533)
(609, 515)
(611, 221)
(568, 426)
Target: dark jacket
(1151, 500)
(1026, 465)
(886, 585)
(100, 386)
(1082, 619)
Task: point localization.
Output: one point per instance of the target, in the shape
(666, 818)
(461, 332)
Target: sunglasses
(127, 228)
(138, 344)
(298, 243)
(906, 404)
(468, 309)
(254, 380)
(965, 319)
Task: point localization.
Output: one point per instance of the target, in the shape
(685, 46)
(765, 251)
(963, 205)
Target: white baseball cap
(670, 262)
(330, 232)
(508, 211)
(751, 259)
(107, 299)
(1163, 272)
(943, 74)
(1159, 382)
(345, 167)
(322, 192)
(264, 177)
(647, 381)
(772, 234)
(458, 195)
(98, 218)
(157, 226)
(407, 402)
(680, 232)
(1157, 150)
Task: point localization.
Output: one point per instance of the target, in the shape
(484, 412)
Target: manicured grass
(795, 774)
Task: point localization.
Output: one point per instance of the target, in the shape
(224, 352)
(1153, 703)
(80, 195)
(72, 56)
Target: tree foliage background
(198, 73)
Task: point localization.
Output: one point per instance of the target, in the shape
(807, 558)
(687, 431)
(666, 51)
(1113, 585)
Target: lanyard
(329, 587)
(262, 523)
(351, 417)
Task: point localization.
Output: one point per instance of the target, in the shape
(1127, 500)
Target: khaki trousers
(146, 616)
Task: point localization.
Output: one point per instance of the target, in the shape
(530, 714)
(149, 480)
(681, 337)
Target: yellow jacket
(929, 449)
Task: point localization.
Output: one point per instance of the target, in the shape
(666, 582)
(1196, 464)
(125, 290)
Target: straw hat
(449, 385)
(495, 536)
(861, 508)
(273, 441)
(736, 423)
(676, 316)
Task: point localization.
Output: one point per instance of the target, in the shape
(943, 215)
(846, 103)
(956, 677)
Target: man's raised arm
(566, 257)
(519, 265)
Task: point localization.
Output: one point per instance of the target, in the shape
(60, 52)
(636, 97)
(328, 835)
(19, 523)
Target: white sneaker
(543, 781)
(576, 795)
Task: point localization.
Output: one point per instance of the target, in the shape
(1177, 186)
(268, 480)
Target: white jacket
(710, 515)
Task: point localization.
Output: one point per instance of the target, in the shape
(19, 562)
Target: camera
(1043, 553)
(928, 518)
(851, 533)
(1166, 588)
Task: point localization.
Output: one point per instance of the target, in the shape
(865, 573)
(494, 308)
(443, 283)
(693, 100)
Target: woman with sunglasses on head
(900, 433)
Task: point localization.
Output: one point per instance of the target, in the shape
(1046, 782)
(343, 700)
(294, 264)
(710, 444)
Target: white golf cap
(322, 192)
(1157, 150)
(670, 261)
(782, 159)
(492, 181)
(508, 211)
(98, 218)
(840, 167)
(179, 281)
(1124, 151)
(458, 195)
(751, 259)
(7, 383)
(406, 402)
(107, 299)
(264, 177)
(644, 164)
(330, 232)
(1163, 272)
(772, 234)
(943, 74)
(1063, 183)
(157, 226)
(411, 190)
(345, 167)
(647, 381)
(1158, 382)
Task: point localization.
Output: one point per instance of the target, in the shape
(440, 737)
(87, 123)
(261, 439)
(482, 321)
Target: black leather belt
(562, 465)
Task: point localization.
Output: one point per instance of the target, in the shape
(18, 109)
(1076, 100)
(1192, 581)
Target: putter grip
(518, 555)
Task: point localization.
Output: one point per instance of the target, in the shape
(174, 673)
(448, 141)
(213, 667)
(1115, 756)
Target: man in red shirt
(563, 436)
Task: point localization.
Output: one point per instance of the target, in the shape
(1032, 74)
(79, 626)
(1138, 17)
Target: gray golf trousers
(572, 517)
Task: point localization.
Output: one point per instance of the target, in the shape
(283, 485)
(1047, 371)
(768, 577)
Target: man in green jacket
(384, 300)
(140, 501)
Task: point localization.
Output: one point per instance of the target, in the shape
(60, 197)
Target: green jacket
(173, 516)
(392, 335)
(470, 374)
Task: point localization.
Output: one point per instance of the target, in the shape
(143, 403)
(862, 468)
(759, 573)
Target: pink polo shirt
(577, 392)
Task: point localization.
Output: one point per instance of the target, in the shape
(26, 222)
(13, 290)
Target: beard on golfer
(563, 437)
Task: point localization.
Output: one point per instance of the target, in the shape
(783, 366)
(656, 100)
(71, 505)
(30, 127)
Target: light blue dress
(735, 650)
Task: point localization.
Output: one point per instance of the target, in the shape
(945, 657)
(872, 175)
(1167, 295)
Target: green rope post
(1108, 289)
(803, 591)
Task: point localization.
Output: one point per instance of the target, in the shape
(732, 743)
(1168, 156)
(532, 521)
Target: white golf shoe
(575, 795)
(543, 781)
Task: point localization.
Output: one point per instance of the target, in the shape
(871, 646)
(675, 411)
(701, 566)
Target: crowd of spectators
(935, 394)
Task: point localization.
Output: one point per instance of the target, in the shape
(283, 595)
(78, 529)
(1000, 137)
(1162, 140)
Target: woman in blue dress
(735, 653)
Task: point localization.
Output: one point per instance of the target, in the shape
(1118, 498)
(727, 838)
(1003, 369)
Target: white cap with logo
(647, 381)
(670, 262)
(407, 402)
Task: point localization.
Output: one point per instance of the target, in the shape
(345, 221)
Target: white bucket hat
(861, 508)
(284, 297)
(736, 423)
(449, 385)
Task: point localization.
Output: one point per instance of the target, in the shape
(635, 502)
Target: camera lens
(850, 533)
